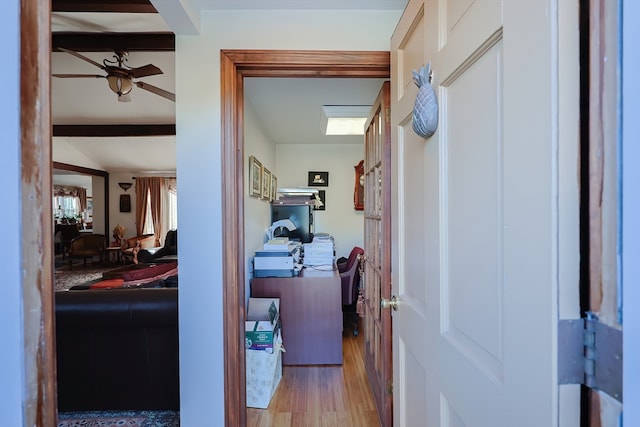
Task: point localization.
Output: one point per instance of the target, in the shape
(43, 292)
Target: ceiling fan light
(120, 85)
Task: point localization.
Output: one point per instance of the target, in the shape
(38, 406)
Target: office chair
(350, 278)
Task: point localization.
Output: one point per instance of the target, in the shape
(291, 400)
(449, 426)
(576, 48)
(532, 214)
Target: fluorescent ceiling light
(344, 119)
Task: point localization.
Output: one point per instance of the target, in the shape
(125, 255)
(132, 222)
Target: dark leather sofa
(117, 349)
(167, 253)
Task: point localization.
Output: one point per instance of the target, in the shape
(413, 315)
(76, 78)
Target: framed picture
(323, 199)
(358, 190)
(125, 203)
(255, 177)
(266, 184)
(274, 188)
(318, 179)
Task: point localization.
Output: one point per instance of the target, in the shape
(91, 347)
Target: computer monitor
(302, 218)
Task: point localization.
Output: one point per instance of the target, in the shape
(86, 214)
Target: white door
(476, 227)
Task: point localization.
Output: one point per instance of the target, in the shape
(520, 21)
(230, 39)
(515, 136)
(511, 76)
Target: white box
(263, 374)
(262, 324)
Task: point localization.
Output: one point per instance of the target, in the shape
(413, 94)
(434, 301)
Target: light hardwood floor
(322, 396)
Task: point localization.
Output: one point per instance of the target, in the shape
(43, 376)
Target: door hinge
(390, 387)
(590, 353)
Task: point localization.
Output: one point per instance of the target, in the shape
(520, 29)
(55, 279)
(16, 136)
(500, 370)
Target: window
(169, 211)
(66, 206)
(173, 208)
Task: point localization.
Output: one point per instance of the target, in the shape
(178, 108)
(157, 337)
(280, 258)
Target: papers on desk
(320, 252)
(279, 244)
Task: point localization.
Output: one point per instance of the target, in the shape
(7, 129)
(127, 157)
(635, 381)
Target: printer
(277, 258)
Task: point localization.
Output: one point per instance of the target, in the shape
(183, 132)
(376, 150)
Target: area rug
(64, 279)
(119, 419)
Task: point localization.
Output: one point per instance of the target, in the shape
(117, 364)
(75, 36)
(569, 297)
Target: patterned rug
(119, 419)
(64, 278)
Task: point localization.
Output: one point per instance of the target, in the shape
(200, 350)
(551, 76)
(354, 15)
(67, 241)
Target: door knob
(390, 303)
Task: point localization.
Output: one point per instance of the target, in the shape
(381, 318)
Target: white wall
(12, 387)
(126, 219)
(339, 218)
(257, 212)
(97, 198)
(630, 213)
(199, 169)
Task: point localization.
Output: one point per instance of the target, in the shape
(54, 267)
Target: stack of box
(320, 252)
(264, 347)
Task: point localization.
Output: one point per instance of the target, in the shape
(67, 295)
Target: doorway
(235, 65)
(283, 128)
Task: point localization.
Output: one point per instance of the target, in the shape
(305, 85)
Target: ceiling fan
(120, 76)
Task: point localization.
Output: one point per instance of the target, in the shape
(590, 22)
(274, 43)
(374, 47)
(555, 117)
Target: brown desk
(311, 315)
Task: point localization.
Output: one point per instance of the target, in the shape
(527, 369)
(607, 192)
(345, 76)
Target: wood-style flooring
(322, 396)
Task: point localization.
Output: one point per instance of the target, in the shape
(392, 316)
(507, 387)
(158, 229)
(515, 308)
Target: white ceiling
(289, 109)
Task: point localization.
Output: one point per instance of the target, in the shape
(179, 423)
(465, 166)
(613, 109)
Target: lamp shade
(119, 84)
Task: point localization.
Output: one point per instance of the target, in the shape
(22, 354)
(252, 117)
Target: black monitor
(302, 218)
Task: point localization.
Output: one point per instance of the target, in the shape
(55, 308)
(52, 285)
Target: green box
(262, 324)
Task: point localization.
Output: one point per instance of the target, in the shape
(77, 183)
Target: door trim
(36, 252)
(234, 66)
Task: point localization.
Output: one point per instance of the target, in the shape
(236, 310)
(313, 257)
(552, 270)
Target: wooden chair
(68, 232)
(147, 241)
(87, 246)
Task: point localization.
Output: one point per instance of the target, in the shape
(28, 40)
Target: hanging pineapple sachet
(425, 110)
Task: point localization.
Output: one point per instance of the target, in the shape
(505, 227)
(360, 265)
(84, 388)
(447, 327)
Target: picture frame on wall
(255, 177)
(358, 190)
(273, 189)
(125, 203)
(323, 198)
(318, 179)
(266, 184)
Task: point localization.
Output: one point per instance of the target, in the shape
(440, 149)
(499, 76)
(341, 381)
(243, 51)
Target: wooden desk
(311, 315)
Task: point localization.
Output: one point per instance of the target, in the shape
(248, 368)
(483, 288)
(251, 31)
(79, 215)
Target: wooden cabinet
(311, 315)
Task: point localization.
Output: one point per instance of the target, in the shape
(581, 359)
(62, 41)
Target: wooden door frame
(234, 66)
(36, 252)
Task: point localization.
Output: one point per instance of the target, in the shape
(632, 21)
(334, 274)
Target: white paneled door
(475, 216)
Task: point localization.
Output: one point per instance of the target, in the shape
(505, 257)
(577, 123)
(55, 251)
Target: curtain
(142, 189)
(70, 191)
(153, 188)
(169, 211)
(156, 189)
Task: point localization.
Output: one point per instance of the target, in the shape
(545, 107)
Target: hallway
(322, 396)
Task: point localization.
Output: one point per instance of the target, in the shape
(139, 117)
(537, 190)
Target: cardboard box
(262, 324)
(263, 374)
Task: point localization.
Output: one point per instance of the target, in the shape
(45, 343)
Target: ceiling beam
(114, 130)
(117, 6)
(100, 42)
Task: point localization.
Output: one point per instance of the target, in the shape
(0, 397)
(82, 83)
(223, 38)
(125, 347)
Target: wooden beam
(114, 130)
(100, 42)
(118, 6)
